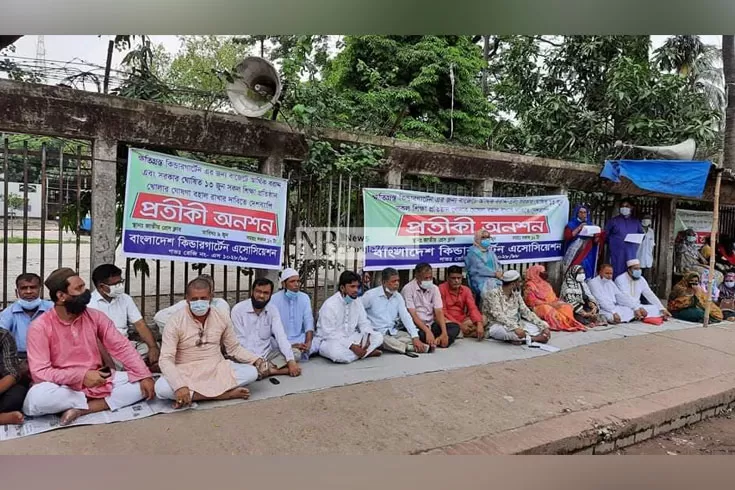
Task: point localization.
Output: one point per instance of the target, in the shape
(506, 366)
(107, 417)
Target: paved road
(419, 413)
(713, 436)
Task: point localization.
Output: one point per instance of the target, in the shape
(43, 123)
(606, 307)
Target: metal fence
(323, 233)
(41, 189)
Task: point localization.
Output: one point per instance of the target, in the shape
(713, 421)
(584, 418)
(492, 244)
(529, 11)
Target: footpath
(592, 398)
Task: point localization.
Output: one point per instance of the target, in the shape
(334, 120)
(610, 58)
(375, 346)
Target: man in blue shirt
(18, 316)
(385, 307)
(296, 314)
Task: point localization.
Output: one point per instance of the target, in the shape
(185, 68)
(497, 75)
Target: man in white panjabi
(645, 250)
(615, 305)
(345, 334)
(634, 284)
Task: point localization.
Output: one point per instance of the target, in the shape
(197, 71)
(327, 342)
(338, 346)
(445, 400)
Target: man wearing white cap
(509, 319)
(615, 305)
(296, 315)
(633, 283)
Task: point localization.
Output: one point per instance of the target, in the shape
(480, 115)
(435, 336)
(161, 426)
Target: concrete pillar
(393, 178)
(484, 188)
(555, 269)
(274, 165)
(104, 179)
(665, 262)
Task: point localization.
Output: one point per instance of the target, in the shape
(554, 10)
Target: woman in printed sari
(688, 301)
(539, 295)
(581, 250)
(690, 259)
(482, 266)
(727, 295)
(574, 290)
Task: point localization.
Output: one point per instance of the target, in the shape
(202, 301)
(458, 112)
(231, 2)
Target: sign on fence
(699, 221)
(181, 209)
(403, 228)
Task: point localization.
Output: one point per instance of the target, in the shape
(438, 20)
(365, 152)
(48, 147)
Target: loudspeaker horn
(256, 87)
(683, 151)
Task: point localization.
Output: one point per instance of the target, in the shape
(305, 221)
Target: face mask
(426, 285)
(646, 222)
(625, 211)
(388, 291)
(636, 274)
(581, 278)
(116, 291)
(77, 304)
(199, 307)
(691, 239)
(259, 305)
(291, 294)
(730, 284)
(486, 242)
(29, 305)
(349, 299)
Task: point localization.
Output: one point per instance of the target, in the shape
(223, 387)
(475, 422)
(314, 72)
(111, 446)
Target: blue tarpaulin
(677, 177)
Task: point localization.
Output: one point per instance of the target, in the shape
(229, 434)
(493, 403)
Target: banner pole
(713, 241)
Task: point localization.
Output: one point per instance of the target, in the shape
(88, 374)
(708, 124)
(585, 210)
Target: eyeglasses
(121, 282)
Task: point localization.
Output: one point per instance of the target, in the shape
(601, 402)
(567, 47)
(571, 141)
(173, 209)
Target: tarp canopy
(676, 177)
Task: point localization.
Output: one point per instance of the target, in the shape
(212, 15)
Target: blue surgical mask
(199, 307)
(291, 295)
(486, 242)
(29, 305)
(349, 299)
(426, 285)
(636, 273)
(625, 211)
(691, 239)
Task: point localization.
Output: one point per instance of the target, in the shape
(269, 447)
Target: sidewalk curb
(608, 428)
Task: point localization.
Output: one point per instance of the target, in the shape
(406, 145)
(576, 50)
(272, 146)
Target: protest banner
(181, 209)
(699, 221)
(403, 228)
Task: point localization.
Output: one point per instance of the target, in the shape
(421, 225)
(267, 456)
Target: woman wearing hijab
(366, 280)
(688, 301)
(727, 295)
(482, 266)
(575, 291)
(690, 259)
(540, 296)
(581, 250)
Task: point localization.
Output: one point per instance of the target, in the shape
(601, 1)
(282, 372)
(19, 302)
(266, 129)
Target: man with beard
(65, 359)
(259, 330)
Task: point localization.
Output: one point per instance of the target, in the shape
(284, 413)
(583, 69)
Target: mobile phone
(274, 381)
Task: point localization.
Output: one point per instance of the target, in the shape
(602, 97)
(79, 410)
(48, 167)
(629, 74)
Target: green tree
(572, 97)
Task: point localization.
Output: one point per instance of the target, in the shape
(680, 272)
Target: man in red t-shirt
(459, 305)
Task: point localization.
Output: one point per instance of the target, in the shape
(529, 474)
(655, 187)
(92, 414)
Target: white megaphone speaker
(256, 87)
(683, 151)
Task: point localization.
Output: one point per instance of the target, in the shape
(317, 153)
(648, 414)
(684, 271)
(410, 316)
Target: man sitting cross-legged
(65, 359)
(509, 317)
(385, 307)
(191, 359)
(294, 307)
(259, 329)
(459, 305)
(615, 305)
(345, 334)
(12, 389)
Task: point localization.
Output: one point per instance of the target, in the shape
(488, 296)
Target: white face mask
(625, 211)
(730, 284)
(646, 222)
(426, 285)
(116, 291)
(581, 277)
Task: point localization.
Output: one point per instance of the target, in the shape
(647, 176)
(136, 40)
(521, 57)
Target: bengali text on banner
(403, 228)
(181, 209)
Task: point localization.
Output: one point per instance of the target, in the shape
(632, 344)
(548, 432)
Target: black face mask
(77, 304)
(259, 305)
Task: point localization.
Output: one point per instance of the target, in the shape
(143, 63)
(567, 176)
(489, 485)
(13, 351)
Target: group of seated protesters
(72, 355)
